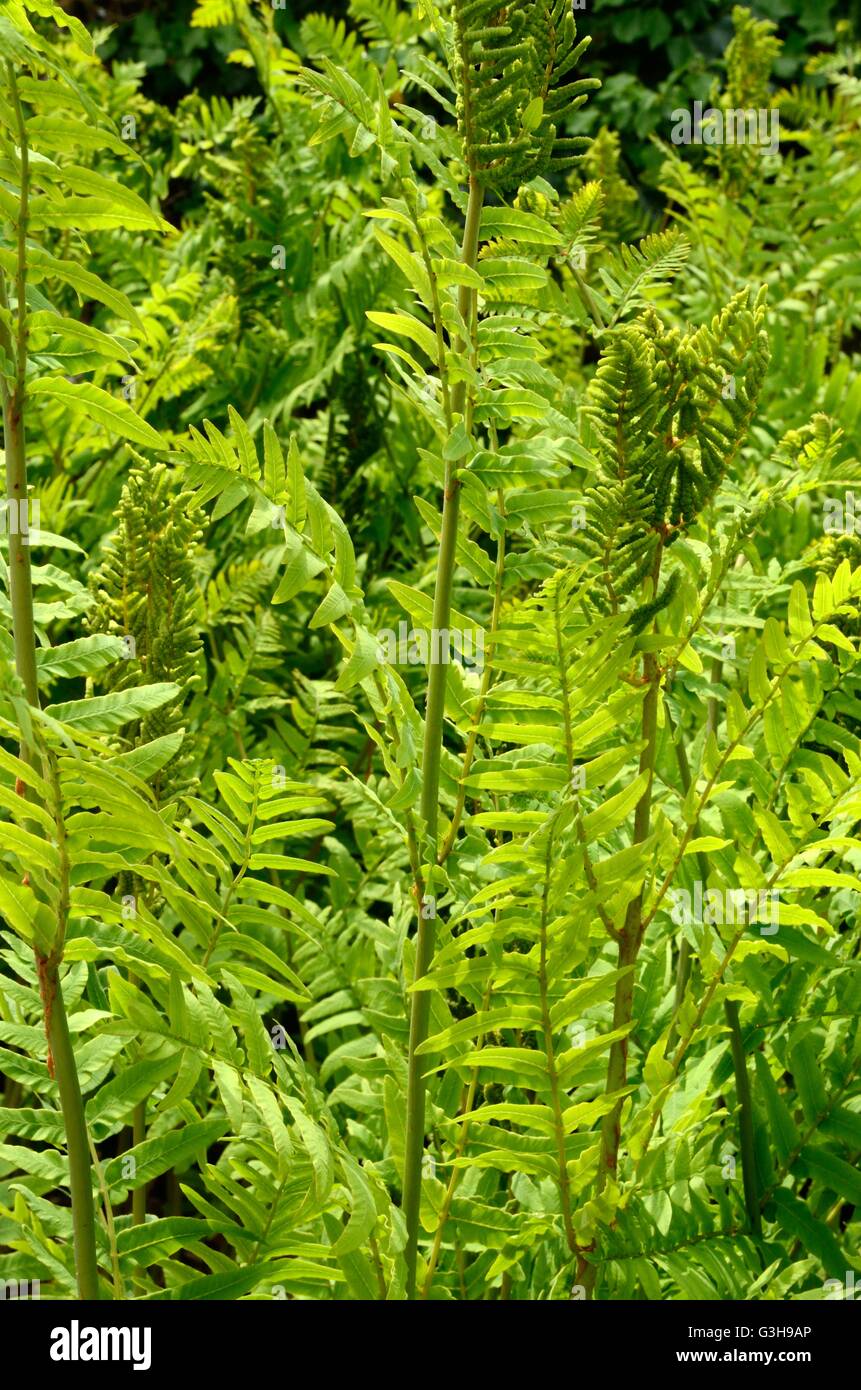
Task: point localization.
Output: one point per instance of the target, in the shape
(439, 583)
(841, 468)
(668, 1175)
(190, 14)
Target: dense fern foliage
(430, 701)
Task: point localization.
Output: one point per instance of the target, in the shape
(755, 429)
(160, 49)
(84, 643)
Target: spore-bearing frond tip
(508, 62)
(668, 412)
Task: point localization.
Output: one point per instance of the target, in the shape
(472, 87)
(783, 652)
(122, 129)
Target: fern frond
(146, 594)
(669, 412)
(634, 270)
(509, 63)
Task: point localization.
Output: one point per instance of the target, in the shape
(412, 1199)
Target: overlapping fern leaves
(238, 957)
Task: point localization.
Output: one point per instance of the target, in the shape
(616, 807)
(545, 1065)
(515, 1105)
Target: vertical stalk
(61, 1052)
(487, 676)
(630, 941)
(20, 581)
(683, 967)
(77, 1138)
(632, 932)
(431, 756)
(617, 1065)
(138, 1136)
(745, 1117)
(110, 1226)
(550, 1053)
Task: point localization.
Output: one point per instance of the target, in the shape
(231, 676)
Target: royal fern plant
(334, 967)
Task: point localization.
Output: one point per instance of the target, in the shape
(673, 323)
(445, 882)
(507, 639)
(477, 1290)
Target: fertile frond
(510, 62)
(146, 594)
(668, 412)
(750, 58)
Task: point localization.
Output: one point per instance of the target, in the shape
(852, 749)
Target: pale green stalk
(431, 757)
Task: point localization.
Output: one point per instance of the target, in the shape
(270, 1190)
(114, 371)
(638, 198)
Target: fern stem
(110, 1225)
(138, 1137)
(77, 1137)
(617, 1065)
(486, 678)
(745, 1117)
(61, 1053)
(20, 581)
(632, 932)
(431, 758)
(683, 967)
(247, 851)
(550, 1053)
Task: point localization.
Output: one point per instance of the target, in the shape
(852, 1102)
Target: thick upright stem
(629, 946)
(745, 1117)
(487, 676)
(61, 1052)
(77, 1140)
(431, 756)
(617, 1065)
(631, 938)
(20, 582)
